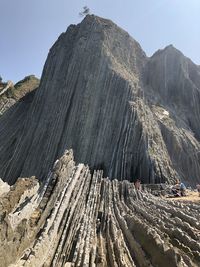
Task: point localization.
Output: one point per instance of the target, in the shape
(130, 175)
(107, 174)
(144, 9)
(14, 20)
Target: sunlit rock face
(120, 111)
(76, 218)
(10, 93)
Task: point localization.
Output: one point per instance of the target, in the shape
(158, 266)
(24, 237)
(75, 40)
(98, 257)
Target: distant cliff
(10, 93)
(120, 111)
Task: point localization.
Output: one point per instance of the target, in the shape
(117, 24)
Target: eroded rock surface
(4, 188)
(10, 93)
(119, 110)
(78, 219)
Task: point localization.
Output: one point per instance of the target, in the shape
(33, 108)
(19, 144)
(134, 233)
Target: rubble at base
(79, 219)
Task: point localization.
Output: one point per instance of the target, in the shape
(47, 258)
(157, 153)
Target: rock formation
(120, 111)
(76, 218)
(10, 93)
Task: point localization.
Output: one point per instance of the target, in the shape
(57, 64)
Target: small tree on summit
(85, 11)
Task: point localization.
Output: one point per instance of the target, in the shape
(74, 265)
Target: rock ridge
(10, 93)
(78, 219)
(119, 111)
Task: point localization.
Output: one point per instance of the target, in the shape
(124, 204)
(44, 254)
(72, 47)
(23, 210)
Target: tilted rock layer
(10, 93)
(119, 110)
(79, 219)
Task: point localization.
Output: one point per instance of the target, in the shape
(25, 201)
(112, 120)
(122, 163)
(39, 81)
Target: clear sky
(28, 28)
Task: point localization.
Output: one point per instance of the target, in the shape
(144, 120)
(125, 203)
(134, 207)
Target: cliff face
(172, 83)
(78, 219)
(119, 111)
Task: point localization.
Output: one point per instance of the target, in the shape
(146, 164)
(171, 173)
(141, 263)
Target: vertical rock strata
(79, 219)
(119, 111)
(172, 85)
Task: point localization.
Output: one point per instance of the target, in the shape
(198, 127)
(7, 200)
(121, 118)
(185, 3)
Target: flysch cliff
(76, 219)
(120, 111)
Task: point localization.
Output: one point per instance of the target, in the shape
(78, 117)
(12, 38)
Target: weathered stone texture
(79, 219)
(10, 93)
(119, 111)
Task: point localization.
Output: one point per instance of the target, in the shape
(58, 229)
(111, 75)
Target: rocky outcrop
(10, 93)
(174, 97)
(5, 86)
(120, 111)
(76, 218)
(4, 188)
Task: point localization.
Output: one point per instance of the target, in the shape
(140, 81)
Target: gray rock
(77, 219)
(119, 111)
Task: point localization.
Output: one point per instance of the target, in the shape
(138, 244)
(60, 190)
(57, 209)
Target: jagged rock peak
(97, 33)
(119, 111)
(101, 26)
(168, 49)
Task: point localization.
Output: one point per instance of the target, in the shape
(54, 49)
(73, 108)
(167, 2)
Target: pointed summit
(102, 97)
(168, 50)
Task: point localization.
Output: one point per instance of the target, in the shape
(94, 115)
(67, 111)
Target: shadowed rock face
(122, 112)
(78, 219)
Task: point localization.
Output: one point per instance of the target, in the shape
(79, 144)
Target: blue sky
(28, 28)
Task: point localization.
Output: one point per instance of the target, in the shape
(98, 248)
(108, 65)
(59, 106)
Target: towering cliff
(172, 83)
(120, 111)
(126, 116)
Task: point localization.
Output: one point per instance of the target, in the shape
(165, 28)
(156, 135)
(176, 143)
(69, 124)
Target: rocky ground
(79, 219)
(192, 196)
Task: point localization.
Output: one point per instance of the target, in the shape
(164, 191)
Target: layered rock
(10, 93)
(122, 112)
(77, 218)
(174, 97)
